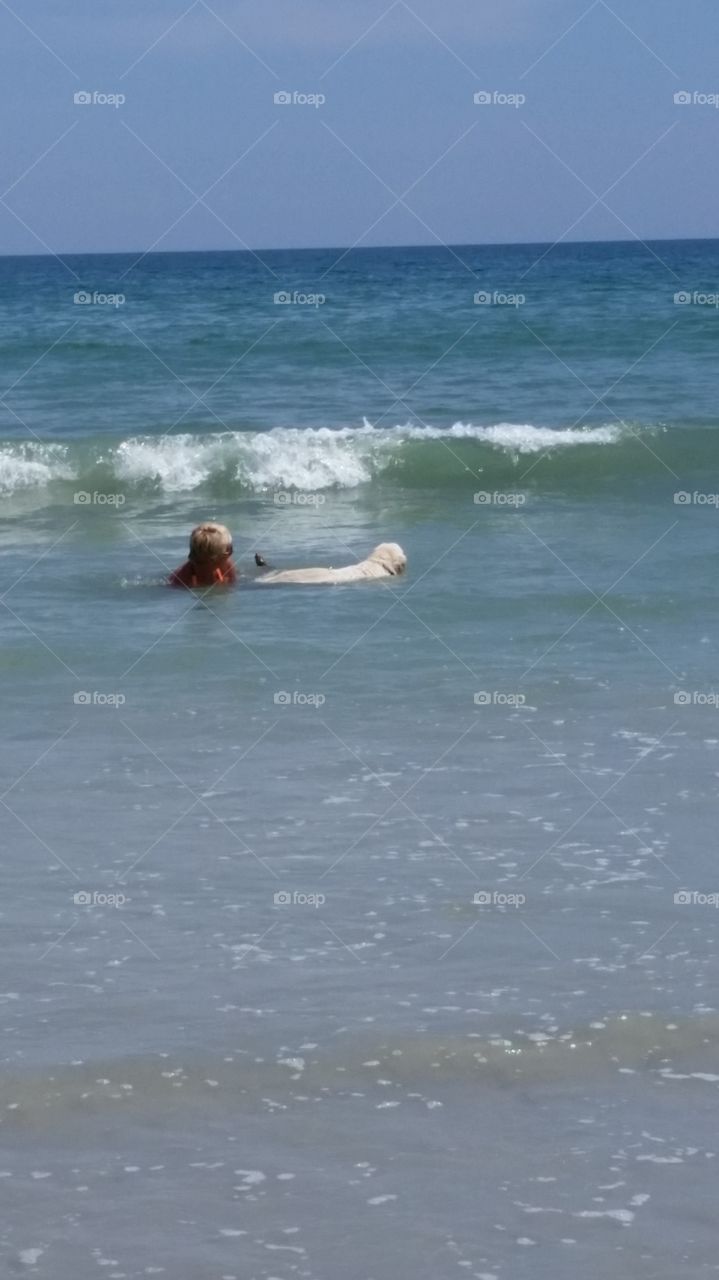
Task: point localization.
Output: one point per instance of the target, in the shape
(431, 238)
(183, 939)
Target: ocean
(364, 931)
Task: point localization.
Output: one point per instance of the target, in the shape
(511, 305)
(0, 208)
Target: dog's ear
(391, 557)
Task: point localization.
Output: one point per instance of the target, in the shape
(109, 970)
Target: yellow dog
(386, 561)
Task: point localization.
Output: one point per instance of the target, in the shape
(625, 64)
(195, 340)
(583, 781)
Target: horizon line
(485, 244)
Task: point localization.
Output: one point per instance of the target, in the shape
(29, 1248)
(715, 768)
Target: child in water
(210, 560)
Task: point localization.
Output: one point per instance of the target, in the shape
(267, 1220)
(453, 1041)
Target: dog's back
(387, 560)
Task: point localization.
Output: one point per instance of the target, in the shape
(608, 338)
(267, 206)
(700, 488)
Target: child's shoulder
(183, 576)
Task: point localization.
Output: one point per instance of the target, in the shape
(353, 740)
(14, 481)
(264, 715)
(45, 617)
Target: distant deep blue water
(365, 931)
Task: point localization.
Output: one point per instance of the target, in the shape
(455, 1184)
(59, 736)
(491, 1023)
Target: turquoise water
(341, 928)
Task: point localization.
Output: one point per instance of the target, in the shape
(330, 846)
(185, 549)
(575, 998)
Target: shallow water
(341, 927)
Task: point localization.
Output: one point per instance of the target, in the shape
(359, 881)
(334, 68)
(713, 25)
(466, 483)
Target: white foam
(285, 458)
(29, 1257)
(251, 1177)
(625, 1216)
(525, 438)
(309, 459)
(29, 466)
(177, 463)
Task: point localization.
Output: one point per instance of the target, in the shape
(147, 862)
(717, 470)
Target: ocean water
(365, 931)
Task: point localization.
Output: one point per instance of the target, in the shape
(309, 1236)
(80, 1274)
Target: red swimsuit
(193, 575)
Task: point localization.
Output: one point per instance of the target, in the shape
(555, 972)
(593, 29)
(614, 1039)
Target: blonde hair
(210, 541)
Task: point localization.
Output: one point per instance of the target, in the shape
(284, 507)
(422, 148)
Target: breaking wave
(228, 463)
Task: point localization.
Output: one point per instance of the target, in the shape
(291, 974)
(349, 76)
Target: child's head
(210, 542)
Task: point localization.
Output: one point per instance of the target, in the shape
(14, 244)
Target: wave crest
(312, 458)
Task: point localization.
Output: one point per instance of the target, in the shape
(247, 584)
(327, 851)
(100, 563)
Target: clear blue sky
(399, 79)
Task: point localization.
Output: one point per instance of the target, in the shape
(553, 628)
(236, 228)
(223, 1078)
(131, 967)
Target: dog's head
(391, 556)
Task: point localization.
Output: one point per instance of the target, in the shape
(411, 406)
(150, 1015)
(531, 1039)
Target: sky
(182, 144)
